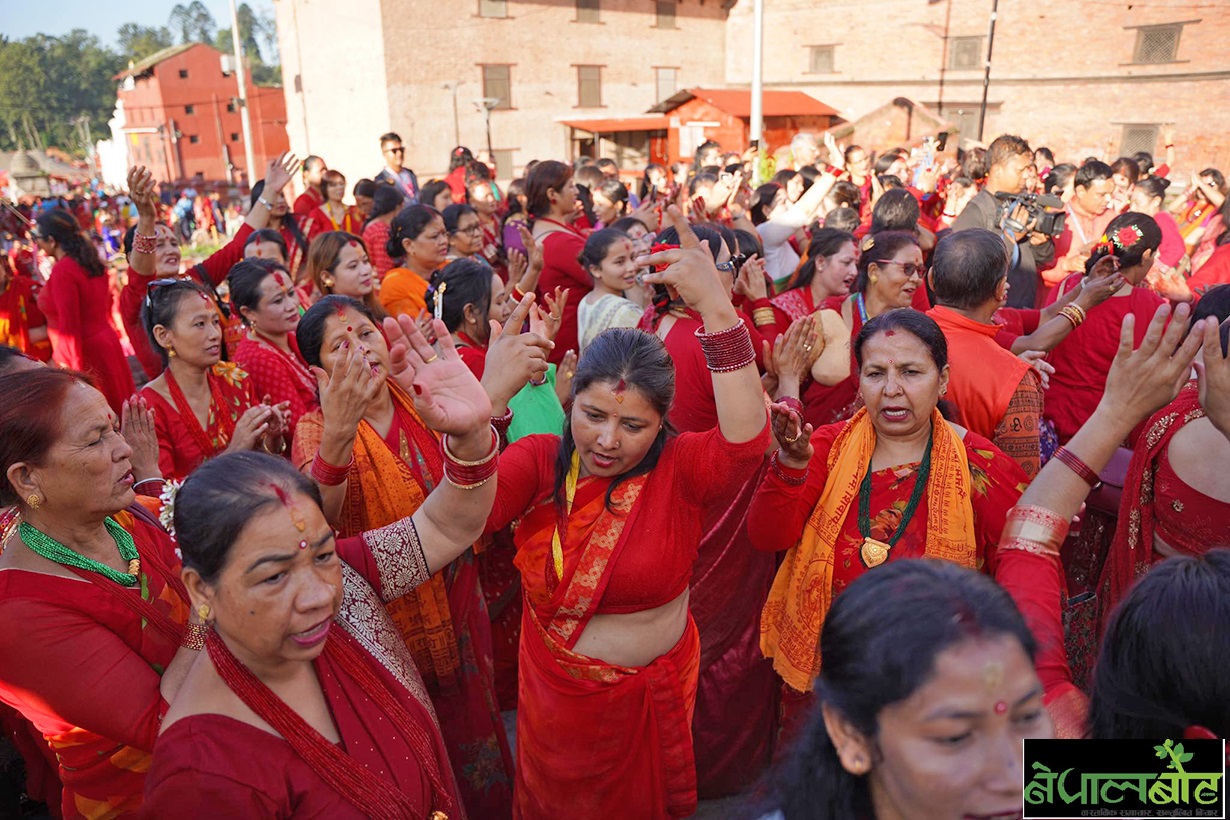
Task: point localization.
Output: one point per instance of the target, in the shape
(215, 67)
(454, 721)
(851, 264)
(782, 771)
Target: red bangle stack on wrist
(727, 350)
(470, 475)
(144, 244)
(794, 404)
(1066, 457)
(501, 425)
(792, 480)
(327, 475)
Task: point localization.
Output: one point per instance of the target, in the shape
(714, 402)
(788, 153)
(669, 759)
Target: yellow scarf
(803, 589)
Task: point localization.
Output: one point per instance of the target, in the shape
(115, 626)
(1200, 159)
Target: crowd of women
(627, 462)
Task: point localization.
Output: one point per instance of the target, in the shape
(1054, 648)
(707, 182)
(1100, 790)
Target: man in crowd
(393, 171)
(313, 171)
(1089, 213)
(996, 394)
(1007, 158)
(804, 151)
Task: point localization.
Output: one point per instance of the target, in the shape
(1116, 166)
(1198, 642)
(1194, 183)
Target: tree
(193, 22)
(136, 42)
(252, 29)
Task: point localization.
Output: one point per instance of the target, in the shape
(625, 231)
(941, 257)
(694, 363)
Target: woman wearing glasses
(890, 270)
(465, 233)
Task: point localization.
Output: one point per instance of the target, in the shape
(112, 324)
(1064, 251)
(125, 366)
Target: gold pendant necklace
(874, 552)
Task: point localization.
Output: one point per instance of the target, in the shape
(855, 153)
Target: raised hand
(548, 324)
(143, 191)
(1037, 360)
(793, 436)
(690, 272)
(137, 428)
(837, 154)
(517, 265)
(563, 377)
(1214, 374)
(513, 357)
(279, 420)
(1141, 381)
(281, 171)
(750, 283)
(250, 429)
(795, 351)
(446, 395)
(1103, 282)
(348, 392)
(533, 251)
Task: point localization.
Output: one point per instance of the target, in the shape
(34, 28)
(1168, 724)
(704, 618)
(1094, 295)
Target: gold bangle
(1034, 529)
(194, 636)
(453, 458)
(762, 316)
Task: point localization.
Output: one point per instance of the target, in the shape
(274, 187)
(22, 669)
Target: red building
(181, 117)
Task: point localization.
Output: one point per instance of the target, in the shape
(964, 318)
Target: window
(666, 81)
(589, 86)
(587, 11)
(497, 86)
(492, 8)
(194, 139)
(964, 53)
(1157, 44)
(821, 59)
(1138, 137)
(502, 158)
(666, 14)
(189, 109)
(183, 73)
(230, 107)
(234, 137)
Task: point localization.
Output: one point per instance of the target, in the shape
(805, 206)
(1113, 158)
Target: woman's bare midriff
(635, 638)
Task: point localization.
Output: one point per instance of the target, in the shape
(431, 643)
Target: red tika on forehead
(890, 333)
(296, 517)
(353, 243)
(620, 387)
(279, 278)
(341, 313)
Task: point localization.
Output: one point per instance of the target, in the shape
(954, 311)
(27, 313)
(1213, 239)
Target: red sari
(320, 221)
(595, 739)
(1083, 359)
(560, 248)
(274, 373)
(78, 309)
(210, 765)
(182, 444)
(18, 313)
(85, 669)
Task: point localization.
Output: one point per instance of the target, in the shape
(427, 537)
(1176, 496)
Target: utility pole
(453, 86)
(241, 79)
(757, 124)
(986, 74)
(487, 103)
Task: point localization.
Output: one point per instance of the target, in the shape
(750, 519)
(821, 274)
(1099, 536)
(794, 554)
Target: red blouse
(282, 377)
(560, 250)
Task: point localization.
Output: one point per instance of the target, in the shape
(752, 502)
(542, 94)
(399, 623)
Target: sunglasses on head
(156, 284)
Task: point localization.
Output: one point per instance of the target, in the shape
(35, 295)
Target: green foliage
(51, 87)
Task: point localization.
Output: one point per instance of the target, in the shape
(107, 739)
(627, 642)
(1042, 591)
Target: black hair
(895, 210)
(162, 303)
(627, 223)
(365, 187)
(616, 192)
(1213, 302)
(1004, 148)
(60, 225)
(389, 136)
(431, 190)
(705, 232)
(597, 246)
(879, 247)
(589, 176)
(1154, 186)
(974, 164)
(1133, 254)
(762, 201)
(408, 225)
(310, 332)
(747, 243)
(1091, 172)
(468, 282)
(824, 243)
(245, 279)
(606, 162)
(1128, 167)
(385, 200)
(512, 195)
(784, 176)
(700, 179)
(266, 235)
(637, 360)
(1144, 161)
(914, 322)
(646, 185)
(933, 607)
(842, 219)
(9, 356)
(1219, 180)
(460, 157)
(967, 267)
(222, 496)
(1059, 177)
(453, 214)
(891, 182)
(704, 147)
(845, 192)
(289, 221)
(1162, 664)
(884, 162)
(1046, 154)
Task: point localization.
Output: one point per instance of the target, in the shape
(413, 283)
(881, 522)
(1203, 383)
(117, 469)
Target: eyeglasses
(739, 259)
(728, 266)
(908, 268)
(473, 230)
(158, 283)
(395, 150)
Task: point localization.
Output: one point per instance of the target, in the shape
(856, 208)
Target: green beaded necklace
(875, 552)
(53, 550)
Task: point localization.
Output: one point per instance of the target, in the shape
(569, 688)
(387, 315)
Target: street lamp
(486, 104)
(453, 86)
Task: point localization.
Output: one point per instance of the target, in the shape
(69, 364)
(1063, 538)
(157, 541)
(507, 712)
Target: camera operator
(1007, 158)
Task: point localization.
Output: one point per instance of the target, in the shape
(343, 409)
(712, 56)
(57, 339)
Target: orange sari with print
(595, 739)
(444, 622)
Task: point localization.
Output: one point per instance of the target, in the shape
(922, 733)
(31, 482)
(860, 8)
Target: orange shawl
(802, 592)
(374, 499)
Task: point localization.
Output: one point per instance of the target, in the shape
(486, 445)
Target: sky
(21, 18)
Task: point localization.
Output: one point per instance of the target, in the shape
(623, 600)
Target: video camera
(1045, 211)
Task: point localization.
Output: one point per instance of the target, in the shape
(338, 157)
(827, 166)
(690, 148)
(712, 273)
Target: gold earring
(327, 281)
(170, 353)
(873, 278)
(203, 612)
(33, 502)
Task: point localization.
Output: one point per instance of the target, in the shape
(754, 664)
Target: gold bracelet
(1073, 314)
(1034, 529)
(762, 316)
(453, 458)
(194, 636)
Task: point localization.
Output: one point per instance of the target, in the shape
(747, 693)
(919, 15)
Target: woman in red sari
(301, 718)
(22, 324)
(263, 294)
(890, 272)
(77, 303)
(386, 204)
(896, 481)
(388, 463)
(338, 264)
(830, 271)
(551, 199)
(332, 214)
(610, 520)
(202, 405)
(1083, 359)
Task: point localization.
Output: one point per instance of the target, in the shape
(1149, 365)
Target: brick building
(179, 116)
(1082, 78)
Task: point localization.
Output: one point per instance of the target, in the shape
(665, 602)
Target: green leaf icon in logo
(1161, 752)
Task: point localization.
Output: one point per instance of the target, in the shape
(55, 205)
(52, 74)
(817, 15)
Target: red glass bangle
(793, 403)
(328, 475)
(470, 475)
(792, 480)
(144, 244)
(501, 425)
(1073, 463)
(727, 350)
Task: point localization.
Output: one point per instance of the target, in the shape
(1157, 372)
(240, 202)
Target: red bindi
(352, 243)
(1000, 707)
(620, 387)
(349, 329)
(341, 312)
(890, 333)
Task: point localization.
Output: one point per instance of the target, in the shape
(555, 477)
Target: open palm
(446, 394)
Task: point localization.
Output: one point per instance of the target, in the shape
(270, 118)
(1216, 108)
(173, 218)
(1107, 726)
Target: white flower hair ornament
(166, 516)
